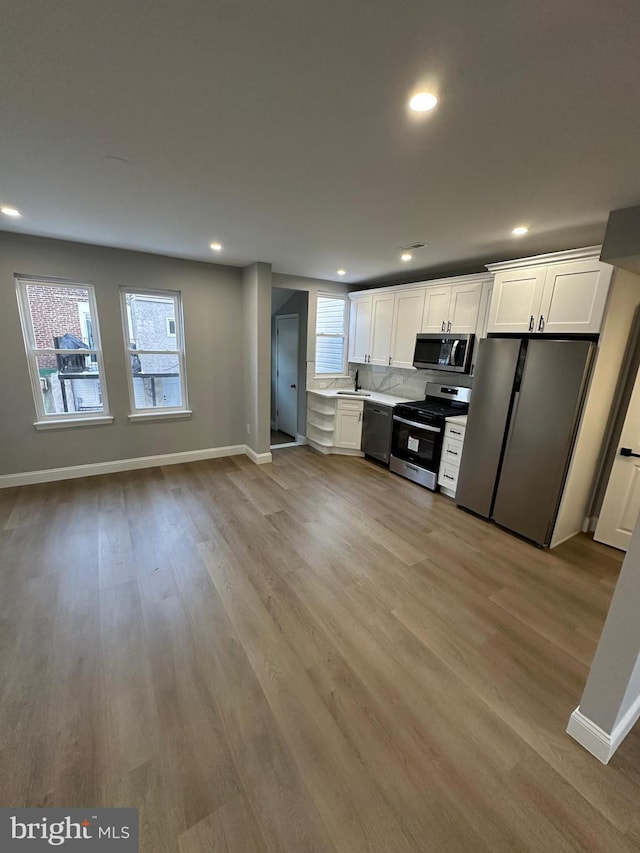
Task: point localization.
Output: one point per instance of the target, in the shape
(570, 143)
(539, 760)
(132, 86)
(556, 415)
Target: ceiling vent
(411, 246)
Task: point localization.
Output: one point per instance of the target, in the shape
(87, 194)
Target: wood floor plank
(311, 655)
(344, 794)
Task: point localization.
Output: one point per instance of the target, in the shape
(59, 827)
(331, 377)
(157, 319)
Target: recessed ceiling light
(519, 230)
(217, 247)
(406, 256)
(10, 211)
(341, 272)
(422, 102)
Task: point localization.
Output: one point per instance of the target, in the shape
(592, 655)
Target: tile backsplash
(400, 382)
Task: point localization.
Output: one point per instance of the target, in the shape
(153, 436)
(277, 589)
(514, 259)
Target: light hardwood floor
(311, 655)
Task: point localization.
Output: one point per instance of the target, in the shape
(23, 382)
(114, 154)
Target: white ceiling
(280, 127)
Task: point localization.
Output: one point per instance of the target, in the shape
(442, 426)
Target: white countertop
(374, 396)
(461, 420)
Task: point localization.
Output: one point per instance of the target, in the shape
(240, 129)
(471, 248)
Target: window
(62, 341)
(331, 321)
(155, 351)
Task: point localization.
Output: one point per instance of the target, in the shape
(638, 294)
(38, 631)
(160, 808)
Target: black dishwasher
(376, 431)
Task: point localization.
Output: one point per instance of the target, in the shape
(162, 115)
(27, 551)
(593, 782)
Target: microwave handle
(454, 349)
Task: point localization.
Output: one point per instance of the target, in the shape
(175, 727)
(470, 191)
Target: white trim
(594, 739)
(301, 439)
(49, 475)
(480, 278)
(551, 258)
(33, 351)
(258, 458)
(158, 415)
(179, 352)
(74, 422)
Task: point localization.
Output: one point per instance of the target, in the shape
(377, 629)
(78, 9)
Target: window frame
(344, 336)
(136, 413)
(46, 419)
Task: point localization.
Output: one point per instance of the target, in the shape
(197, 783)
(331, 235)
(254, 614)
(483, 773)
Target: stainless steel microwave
(444, 352)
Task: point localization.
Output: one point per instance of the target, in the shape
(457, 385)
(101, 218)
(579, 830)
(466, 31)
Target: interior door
(407, 323)
(436, 309)
(287, 373)
(360, 328)
(621, 503)
(381, 326)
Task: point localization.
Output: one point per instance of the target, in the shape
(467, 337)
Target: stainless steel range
(418, 429)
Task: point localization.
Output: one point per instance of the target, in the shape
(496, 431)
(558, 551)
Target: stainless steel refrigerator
(523, 418)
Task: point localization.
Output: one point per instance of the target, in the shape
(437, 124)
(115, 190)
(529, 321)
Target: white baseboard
(71, 472)
(594, 739)
(258, 458)
(301, 439)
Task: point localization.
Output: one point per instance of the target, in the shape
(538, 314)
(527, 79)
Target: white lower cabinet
(452, 444)
(348, 425)
(334, 425)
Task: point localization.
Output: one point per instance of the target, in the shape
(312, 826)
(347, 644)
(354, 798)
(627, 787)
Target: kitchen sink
(354, 393)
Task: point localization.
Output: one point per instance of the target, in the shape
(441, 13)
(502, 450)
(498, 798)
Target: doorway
(621, 504)
(286, 414)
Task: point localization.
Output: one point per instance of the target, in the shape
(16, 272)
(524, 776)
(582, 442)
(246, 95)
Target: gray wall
(256, 362)
(214, 333)
(296, 303)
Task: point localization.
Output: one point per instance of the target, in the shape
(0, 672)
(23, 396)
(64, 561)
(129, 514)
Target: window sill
(73, 422)
(332, 376)
(183, 414)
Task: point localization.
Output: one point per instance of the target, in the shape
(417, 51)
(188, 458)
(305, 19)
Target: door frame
(278, 318)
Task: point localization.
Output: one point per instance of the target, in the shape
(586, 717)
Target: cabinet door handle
(531, 322)
(627, 451)
(452, 452)
(442, 329)
(449, 326)
(541, 324)
(359, 417)
(454, 432)
(390, 360)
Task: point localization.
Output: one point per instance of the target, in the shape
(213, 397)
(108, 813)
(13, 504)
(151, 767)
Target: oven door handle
(416, 424)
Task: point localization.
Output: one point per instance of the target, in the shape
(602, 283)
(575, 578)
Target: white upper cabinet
(463, 310)
(436, 309)
(407, 322)
(381, 328)
(360, 328)
(574, 297)
(550, 294)
(383, 324)
(452, 308)
(516, 299)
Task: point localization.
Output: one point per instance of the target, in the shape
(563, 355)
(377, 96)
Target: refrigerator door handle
(512, 421)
